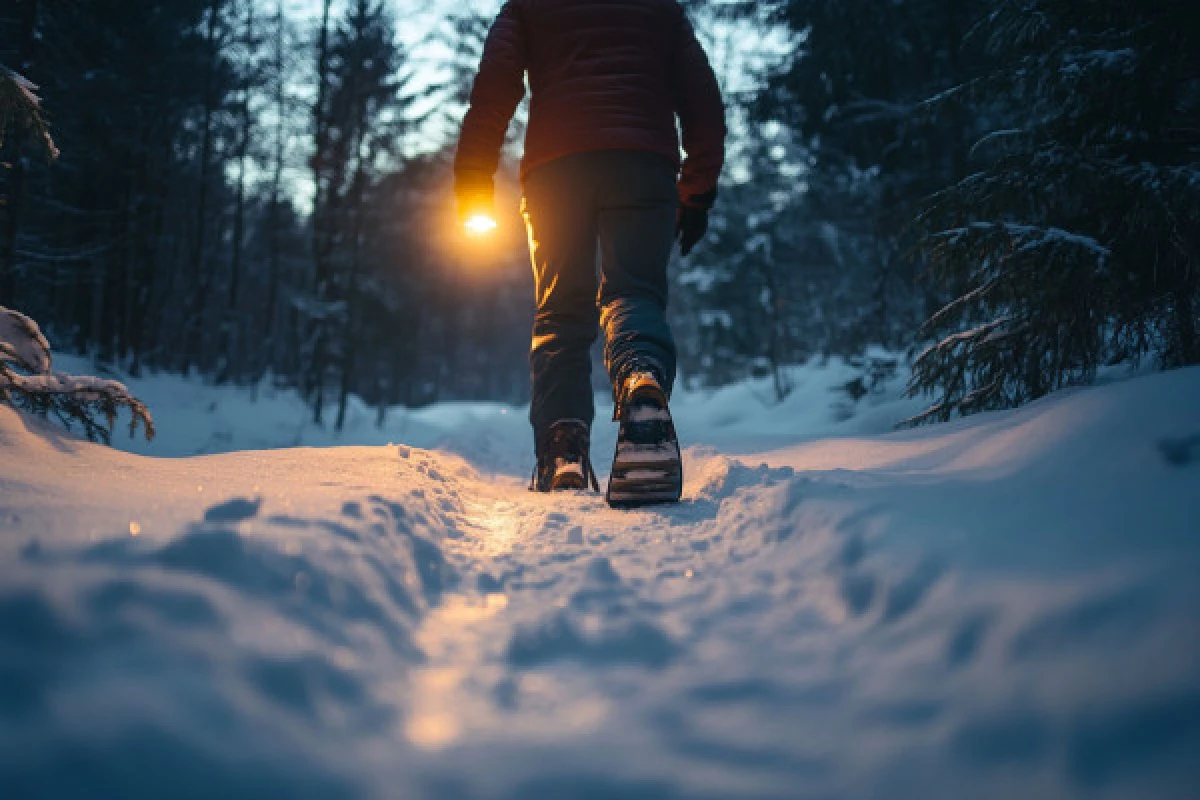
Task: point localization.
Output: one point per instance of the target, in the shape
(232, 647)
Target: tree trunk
(243, 152)
(198, 283)
(316, 379)
(276, 180)
(348, 348)
(230, 335)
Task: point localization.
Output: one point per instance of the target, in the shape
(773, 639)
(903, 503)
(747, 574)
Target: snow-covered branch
(28, 382)
(19, 103)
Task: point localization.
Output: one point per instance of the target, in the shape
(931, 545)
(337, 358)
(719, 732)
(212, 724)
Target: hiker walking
(601, 171)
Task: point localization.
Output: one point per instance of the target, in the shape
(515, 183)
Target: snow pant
(624, 201)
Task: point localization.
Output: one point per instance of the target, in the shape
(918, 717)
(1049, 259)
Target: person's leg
(637, 201)
(561, 220)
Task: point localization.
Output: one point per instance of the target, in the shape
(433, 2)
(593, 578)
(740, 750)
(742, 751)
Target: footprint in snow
(1182, 451)
(235, 510)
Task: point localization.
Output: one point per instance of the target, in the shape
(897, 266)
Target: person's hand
(691, 220)
(474, 197)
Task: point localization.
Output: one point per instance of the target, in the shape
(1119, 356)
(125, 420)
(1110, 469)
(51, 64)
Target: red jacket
(604, 75)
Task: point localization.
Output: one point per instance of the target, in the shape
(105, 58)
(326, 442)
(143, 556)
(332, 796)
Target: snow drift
(1000, 607)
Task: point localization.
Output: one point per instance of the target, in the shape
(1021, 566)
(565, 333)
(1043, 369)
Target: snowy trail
(1005, 606)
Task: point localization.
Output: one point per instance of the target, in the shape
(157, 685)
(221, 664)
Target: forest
(1004, 192)
(917, 521)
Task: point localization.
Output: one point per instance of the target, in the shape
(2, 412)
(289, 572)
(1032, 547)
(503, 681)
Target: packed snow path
(1001, 607)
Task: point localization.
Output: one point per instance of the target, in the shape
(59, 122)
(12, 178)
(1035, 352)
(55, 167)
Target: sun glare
(479, 224)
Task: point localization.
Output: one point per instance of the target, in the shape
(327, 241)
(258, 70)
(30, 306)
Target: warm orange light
(479, 224)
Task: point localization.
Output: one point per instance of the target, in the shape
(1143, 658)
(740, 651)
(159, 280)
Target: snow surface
(999, 607)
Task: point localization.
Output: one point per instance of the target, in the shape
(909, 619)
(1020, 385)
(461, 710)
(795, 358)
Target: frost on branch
(28, 383)
(19, 103)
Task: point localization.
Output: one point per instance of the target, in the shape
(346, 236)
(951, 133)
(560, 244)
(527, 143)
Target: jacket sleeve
(499, 87)
(701, 119)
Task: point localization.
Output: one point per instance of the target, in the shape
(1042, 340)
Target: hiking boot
(647, 467)
(563, 460)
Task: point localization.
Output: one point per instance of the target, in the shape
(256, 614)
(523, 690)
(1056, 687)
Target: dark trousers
(625, 202)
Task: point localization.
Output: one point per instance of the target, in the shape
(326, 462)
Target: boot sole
(647, 468)
(568, 481)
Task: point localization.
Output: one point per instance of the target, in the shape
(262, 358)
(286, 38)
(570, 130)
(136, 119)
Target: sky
(416, 22)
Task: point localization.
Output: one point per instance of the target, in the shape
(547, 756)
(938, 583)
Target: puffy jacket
(604, 75)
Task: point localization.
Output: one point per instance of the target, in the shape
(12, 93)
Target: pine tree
(19, 110)
(851, 90)
(1077, 242)
(21, 53)
(27, 380)
(741, 291)
(362, 127)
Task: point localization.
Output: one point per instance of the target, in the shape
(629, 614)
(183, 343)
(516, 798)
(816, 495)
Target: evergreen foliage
(20, 107)
(799, 261)
(1021, 174)
(179, 230)
(1077, 241)
(28, 382)
(251, 198)
(861, 151)
(854, 91)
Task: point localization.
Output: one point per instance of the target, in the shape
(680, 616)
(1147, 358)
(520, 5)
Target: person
(601, 171)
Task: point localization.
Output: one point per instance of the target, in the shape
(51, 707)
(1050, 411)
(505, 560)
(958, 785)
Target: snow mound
(1000, 607)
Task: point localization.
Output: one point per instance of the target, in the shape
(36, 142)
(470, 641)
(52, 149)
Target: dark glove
(690, 225)
(691, 220)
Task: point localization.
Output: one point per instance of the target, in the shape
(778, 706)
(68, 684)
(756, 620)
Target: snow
(193, 418)
(1003, 606)
(22, 344)
(1029, 238)
(86, 385)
